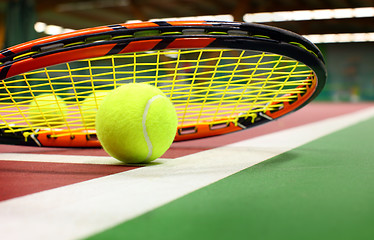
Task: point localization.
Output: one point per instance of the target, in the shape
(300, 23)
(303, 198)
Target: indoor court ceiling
(89, 13)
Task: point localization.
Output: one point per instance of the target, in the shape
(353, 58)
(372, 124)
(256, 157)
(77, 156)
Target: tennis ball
(89, 107)
(47, 110)
(136, 123)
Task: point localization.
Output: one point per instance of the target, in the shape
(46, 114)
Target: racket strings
(205, 86)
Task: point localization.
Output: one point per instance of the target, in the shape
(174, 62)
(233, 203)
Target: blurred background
(342, 29)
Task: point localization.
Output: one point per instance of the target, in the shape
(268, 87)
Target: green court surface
(321, 190)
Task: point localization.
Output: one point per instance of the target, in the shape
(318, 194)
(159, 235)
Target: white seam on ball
(145, 133)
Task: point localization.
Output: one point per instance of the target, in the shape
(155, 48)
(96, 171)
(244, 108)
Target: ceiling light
(343, 13)
(40, 27)
(53, 29)
(341, 37)
(224, 17)
(305, 15)
(301, 15)
(282, 16)
(363, 12)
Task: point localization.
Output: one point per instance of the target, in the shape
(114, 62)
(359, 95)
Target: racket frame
(150, 36)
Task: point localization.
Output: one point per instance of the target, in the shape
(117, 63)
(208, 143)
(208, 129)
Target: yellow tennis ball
(89, 107)
(47, 110)
(136, 123)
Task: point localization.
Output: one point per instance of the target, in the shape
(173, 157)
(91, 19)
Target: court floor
(309, 175)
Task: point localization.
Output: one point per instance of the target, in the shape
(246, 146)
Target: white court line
(82, 209)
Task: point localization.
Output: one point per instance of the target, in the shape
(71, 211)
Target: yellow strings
(204, 85)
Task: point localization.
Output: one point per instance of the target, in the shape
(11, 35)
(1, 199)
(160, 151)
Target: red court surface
(32, 172)
(18, 178)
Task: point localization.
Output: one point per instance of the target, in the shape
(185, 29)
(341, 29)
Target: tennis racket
(222, 77)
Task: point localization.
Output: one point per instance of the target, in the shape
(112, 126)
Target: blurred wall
(350, 69)
(19, 18)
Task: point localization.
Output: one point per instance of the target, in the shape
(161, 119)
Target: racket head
(221, 76)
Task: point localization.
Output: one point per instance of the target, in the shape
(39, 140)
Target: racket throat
(250, 121)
